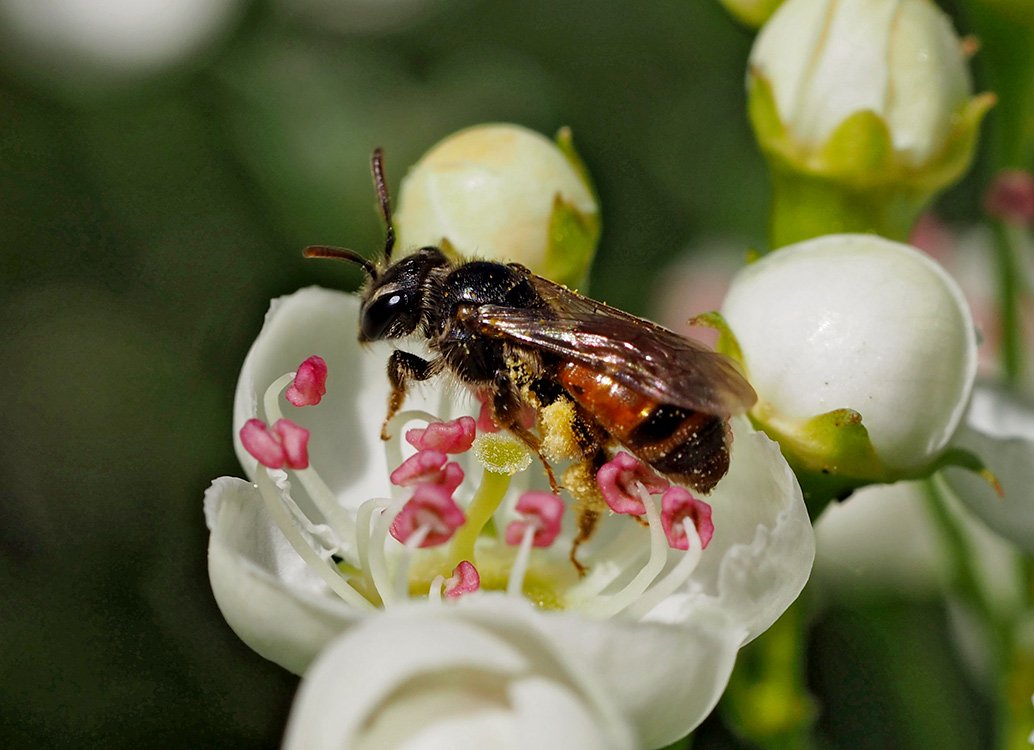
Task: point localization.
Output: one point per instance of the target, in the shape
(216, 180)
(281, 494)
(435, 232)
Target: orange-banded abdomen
(690, 447)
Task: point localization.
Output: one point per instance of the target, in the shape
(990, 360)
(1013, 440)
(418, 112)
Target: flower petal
(763, 546)
(999, 430)
(667, 678)
(345, 443)
(268, 595)
(479, 674)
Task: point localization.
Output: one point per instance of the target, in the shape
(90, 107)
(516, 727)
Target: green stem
(1012, 663)
(767, 701)
(1010, 298)
(806, 206)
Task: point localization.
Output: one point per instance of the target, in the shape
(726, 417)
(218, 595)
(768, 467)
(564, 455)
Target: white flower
(999, 429)
(476, 675)
(502, 192)
(296, 559)
(899, 59)
(858, 322)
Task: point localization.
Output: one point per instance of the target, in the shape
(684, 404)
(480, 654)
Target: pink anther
(433, 508)
(1010, 197)
(454, 436)
(310, 382)
(619, 481)
(283, 444)
(428, 467)
(541, 510)
(678, 505)
(485, 423)
(464, 580)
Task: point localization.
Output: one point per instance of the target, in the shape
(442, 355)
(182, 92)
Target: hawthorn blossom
(503, 192)
(297, 558)
(855, 329)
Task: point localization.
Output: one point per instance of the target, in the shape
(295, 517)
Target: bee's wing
(643, 356)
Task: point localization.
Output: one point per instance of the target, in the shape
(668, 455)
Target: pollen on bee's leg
(588, 507)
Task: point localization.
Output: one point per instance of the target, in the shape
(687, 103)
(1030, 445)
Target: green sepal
(450, 252)
(858, 148)
(831, 454)
(752, 13)
(763, 112)
(964, 459)
(956, 156)
(854, 182)
(564, 140)
(572, 244)
(727, 343)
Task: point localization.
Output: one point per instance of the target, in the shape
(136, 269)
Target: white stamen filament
(624, 551)
(366, 536)
(515, 584)
(313, 483)
(278, 511)
(402, 572)
(434, 594)
(608, 605)
(675, 577)
(377, 564)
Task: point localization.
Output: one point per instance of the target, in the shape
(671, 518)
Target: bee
(526, 341)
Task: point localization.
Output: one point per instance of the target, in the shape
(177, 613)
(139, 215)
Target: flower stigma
(463, 514)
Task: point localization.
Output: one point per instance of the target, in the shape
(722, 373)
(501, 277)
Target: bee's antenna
(381, 186)
(341, 253)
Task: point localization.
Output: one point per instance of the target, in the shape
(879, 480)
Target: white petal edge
(999, 429)
(763, 547)
(268, 595)
(320, 321)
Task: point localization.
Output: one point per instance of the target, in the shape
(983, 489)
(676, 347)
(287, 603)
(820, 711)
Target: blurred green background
(155, 192)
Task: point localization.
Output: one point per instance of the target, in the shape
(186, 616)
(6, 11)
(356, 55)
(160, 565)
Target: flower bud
(867, 96)
(506, 193)
(863, 354)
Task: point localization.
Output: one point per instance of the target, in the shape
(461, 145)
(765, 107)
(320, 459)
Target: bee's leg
(590, 503)
(403, 369)
(506, 412)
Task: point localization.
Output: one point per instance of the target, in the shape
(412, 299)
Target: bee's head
(393, 301)
(393, 298)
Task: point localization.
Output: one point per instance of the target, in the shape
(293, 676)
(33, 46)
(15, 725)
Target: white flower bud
(862, 323)
(899, 59)
(491, 192)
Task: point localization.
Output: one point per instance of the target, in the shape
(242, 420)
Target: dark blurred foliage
(146, 224)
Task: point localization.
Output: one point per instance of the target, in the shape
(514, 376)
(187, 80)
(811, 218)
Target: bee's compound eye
(389, 315)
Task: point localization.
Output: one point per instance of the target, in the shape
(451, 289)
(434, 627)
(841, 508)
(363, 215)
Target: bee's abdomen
(689, 447)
